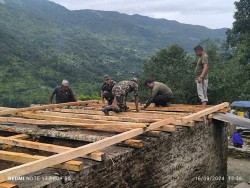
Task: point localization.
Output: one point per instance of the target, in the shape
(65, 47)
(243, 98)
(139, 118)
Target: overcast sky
(211, 13)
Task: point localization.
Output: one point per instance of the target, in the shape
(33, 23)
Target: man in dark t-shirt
(63, 93)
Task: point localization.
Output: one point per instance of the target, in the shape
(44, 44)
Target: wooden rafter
(76, 152)
(26, 158)
(204, 112)
(96, 155)
(13, 111)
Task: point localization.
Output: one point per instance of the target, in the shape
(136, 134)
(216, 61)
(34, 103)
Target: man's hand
(114, 104)
(104, 104)
(199, 80)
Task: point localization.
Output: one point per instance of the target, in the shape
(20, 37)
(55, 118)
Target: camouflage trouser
(121, 103)
(109, 97)
(120, 97)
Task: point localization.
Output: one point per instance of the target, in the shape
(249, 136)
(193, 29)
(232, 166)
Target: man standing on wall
(63, 93)
(201, 76)
(106, 90)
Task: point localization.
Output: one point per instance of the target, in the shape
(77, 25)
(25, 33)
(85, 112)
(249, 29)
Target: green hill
(42, 43)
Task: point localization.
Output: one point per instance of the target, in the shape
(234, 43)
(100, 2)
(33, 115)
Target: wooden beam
(108, 127)
(180, 123)
(8, 185)
(131, 114)
(99, 117)
(19, 136)
(58, 134)
(167, 128)
(26, 158)
(76, 152)
(204, 112)
(97, 155)
(77, 120)
(43, 107)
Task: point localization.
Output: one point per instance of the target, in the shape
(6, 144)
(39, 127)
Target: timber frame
(85, 115)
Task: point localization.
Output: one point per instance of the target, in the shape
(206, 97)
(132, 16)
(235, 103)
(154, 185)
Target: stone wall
(190, 157)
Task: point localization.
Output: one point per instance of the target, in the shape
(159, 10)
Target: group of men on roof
(161, 95)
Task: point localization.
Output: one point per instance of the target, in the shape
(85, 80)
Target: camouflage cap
(134, 79)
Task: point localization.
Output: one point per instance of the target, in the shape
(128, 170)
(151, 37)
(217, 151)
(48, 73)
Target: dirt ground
(238, 171)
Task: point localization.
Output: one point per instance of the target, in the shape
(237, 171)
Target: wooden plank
(110, 127)
(131, 114)
(171, 108)
(167, 128)
(180, 123)
(56, 134)
(97, 155)
(76, 152)
(77, 120)
(26, 158)
(204, 112)
(99, 117)
(8, 185)
(19, 136)
(13, 111)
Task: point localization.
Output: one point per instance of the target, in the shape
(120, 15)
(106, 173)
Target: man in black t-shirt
(63, 93)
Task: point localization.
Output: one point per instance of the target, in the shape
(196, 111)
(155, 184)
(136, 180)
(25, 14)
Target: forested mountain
(42, 43)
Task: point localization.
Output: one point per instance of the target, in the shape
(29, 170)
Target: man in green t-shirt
(201, 76)
(161, 94)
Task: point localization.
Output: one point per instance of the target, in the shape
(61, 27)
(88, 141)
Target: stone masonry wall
(191, 157)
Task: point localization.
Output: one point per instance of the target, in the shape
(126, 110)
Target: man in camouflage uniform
(120, 92)
(201, 76)
(106, 90)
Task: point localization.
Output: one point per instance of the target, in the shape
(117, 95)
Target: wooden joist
(8, 185)
(99, 117)
(113, 127)
(19, 136)
(75, 120)
(204, 112)
(26, 158)
(131, 114)
(97, 155)
(167, 128)
(60, 134)
(43, 107)
(76, 152)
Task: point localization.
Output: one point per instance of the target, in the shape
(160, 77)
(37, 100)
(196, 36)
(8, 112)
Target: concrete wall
(185, 158)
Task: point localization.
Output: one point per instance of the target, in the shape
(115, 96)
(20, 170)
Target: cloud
(214, 13)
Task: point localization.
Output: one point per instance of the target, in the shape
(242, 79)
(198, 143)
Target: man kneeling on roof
(161, 94)
(120, 92)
